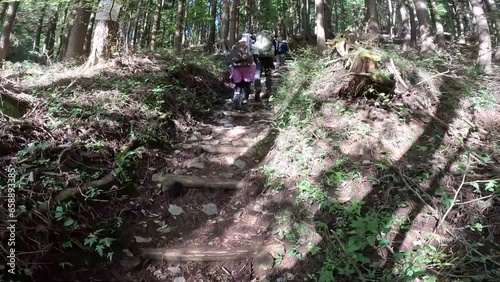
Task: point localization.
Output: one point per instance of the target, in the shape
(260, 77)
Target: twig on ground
(432, 77)
(453, 201)
(403, 177)
(474, 200)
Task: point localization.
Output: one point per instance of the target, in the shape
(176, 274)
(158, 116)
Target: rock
(264, 262)
(177, 152)
(130, 263)
(238, 214)
(187, 146)
(229, 160)
(258, 208)
(179, 279)
(128, 253)
(240, 164)
(210, 209)
(140, 239)
(175, 210)
(281, 279)
(289, 276)
(197, 165)
(174, 270)
(214, 142)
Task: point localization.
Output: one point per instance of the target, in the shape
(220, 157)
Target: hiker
(263, 49)
(242, 70)
(282, 51)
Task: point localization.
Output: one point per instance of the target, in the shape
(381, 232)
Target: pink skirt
(243, 74)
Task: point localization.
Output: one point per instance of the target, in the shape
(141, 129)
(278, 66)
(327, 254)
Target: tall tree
(213, 18)
(76, 41)
(249, 15)
(495, 18)
(484, 54)
(233, 22)
(50, 35)
(104, 32)
(439, 25)
(88, 35)
(425, 27)
(3, 9)
(7, 29)
(39, 28)
(320, 29)
(156, 23)
(179, 25)
(306, 29)
(224, 25)
(372, 16)
(406, 28)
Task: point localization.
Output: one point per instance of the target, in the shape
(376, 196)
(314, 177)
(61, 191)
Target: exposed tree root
(170, 180)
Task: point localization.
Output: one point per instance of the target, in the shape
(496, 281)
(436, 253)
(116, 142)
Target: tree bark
(156, 23)
(327, 9)
(179, 26)
(413, 23)
(233, 22)
(213, 16)
(76, 41)
(88, 35)
(65, 34)
(484, 55)
(439, 26)
(39, 28)
(99, 51)
(320, 30)
(8, 22)
(426, 38)
(495, 18)
(50, 35)
(305, 20)
(224, 29)
(392, 19)
(406, 32)
(249, 15)
(372, 16)
(3, 9)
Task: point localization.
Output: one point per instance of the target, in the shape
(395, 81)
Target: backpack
(263, 46)
(241, 54)
(283, 47)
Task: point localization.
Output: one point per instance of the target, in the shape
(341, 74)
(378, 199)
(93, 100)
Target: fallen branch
(397, 74)
(210, 253)
(170, 180)
(223, 149)
(432, 77)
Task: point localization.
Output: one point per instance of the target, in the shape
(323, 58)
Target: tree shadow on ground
(394, 196)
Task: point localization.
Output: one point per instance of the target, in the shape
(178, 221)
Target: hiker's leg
(268, 72)
(258, 85)
(246, 90)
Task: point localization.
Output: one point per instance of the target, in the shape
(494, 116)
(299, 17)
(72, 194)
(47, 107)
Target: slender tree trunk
(8, 22)
(327, 8)
(3, 9)
(484, 55)
(232, 23)
(224, 22)
(156, 23)
(336, 28)
(88, 34)
(403, 11)
(76, 41)
(320, 29)
(439, 26)
(65, 34)
(392, 19)
(450, 17)
(39, 28)
(305, 20)
(343, 15)
(213, 16)
(372, 16)
(413, 23)
(50, 35)
(426, 38)
(495, 18)
(99, 51)
(179, 27)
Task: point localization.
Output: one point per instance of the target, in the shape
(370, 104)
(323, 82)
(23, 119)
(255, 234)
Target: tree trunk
(320, 30)
(88, 35)
(426, 38)
(392, 19)
(224, 22)
(213, 16)
(439, 26)
(76, 41)
(156, 23)
(484, 55)
(65, 34)
(372, 16)
(50, 35)
(336, 28)
(327, 9)
(413, 23)
(495, 18)
(403, 11)
(179, 26)
(450, 17)
(343, 16)
(232, 23)
(305, 20)
(8, 22)
(3, 9)
(100, 50)
(249, 14)
(39, 28)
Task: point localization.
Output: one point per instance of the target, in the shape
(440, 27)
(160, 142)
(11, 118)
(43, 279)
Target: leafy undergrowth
(88, 141)
(396, 187)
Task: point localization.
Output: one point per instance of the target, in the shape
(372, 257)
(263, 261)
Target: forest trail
(209, 203)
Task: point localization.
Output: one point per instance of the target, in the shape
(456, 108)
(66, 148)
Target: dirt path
(223, 223)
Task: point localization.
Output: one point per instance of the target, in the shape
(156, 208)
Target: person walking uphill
(264, 49)
(242, 70)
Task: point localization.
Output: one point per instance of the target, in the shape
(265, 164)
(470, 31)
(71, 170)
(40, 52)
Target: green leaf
(69, 221)
(371, 240)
